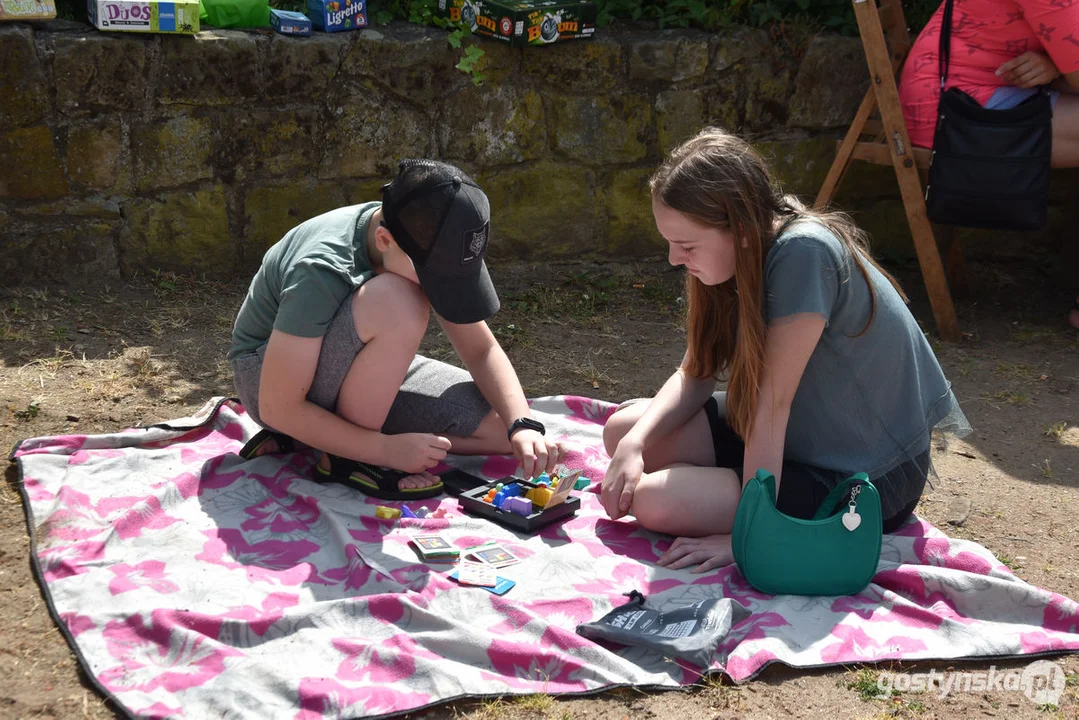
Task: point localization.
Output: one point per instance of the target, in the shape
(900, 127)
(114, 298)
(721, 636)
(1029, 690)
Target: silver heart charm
(851, 520)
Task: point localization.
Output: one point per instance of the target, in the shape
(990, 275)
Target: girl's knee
(649, 507)
(618, 425)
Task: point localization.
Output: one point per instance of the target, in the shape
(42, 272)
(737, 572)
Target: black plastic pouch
(691, 632)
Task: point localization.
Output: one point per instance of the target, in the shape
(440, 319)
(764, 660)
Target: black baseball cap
(442, 219)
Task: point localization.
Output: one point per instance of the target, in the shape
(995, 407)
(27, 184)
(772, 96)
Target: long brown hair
(718, 179)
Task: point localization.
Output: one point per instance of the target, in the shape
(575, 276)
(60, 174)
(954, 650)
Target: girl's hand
(536, 453)
(1029, 70)
(621, 480)
(711, 551)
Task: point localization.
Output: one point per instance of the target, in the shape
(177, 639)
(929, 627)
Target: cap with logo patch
(442, 219)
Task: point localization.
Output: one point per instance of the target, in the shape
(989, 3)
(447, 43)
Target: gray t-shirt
(864, 404)
(305, 277)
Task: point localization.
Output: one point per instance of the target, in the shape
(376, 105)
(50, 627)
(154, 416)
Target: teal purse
(834, 553)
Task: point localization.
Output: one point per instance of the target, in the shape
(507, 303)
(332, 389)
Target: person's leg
(390, 315)
(690, 444)
(1066, 131)
(441, 398)
(366, 353)
(1066, 153)
(682, 491)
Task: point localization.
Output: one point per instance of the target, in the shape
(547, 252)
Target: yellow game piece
(531, 494)
(541, 496)
(387, 513)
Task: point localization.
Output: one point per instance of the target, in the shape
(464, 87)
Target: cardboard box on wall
(151, 16)
(336, 15)
(287, 22)
(524, 22)
(16, 10)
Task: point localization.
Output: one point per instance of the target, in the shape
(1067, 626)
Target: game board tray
(472, 501)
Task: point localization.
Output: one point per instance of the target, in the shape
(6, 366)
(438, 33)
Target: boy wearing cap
(324, 348)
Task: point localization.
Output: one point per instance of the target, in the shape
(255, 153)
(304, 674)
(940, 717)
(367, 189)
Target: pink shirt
(985, 34)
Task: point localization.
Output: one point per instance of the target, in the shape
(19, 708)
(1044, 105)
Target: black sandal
(250, 450)
(378, 482)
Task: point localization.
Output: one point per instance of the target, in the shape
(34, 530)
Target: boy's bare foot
(410, 482)
(270, 445)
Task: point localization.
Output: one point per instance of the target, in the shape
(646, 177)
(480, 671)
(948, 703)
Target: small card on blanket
(435, 548)
(492, 554)
(562, 489)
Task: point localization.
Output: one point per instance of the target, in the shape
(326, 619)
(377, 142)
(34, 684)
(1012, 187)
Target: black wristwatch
(526, 422)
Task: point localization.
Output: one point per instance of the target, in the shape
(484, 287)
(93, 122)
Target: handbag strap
(945, 51)
(838, 492)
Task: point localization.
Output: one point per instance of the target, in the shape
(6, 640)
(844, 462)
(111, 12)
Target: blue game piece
(405, 512)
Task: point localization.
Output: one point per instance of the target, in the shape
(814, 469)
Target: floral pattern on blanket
(194, 584)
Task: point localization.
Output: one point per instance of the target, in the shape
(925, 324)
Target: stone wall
(123, 153)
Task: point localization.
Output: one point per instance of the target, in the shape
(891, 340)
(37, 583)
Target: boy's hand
(536, 453)
(416, 452)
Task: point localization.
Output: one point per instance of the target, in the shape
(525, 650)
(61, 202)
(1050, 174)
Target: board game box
(151, 16)
(27, 9)
(548, 503)
(525, 22)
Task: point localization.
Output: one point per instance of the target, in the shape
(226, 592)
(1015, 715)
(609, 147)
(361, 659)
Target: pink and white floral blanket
(193, 584)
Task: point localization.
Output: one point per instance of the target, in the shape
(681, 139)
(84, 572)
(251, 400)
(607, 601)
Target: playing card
(494, 555)
(561, 491)
(476, 574)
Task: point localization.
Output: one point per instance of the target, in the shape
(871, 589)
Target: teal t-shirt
(865, 403)
(305, 277)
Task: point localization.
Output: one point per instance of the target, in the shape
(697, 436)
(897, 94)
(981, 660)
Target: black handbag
(988, 168)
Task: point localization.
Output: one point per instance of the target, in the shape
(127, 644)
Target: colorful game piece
(387, 513)
(405, 512)
(422, 512)
(582, 483)
(519, 505)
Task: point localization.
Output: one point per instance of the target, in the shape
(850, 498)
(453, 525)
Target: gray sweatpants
(435, 397)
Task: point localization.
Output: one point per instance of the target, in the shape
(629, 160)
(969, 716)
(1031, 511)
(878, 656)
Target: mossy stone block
(179, 230)
(542, 211)
(24, 96)
(100, 70)
(630, 226)
(369, 135)
(94, 154)
(592, 66)
(32, 168)
(216, 67)
(669, 56)
(270, 211)
(172, 152)
(600, 129)
(494, 126)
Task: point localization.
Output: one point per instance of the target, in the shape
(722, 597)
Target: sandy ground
(101, 359)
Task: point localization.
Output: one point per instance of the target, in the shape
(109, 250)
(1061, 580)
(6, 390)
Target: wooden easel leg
(882, 79)
(956, 263)
(842, 159)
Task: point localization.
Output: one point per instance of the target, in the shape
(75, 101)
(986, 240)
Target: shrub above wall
(125, 152)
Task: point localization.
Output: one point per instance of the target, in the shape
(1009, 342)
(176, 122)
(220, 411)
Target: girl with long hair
(828, 373)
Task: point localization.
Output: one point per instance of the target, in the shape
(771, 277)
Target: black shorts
(804, 487)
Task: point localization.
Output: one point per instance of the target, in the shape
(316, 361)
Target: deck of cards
(490, 554)
(432, 547)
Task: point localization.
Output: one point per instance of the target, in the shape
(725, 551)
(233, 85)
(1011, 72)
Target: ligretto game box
(528, 22)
